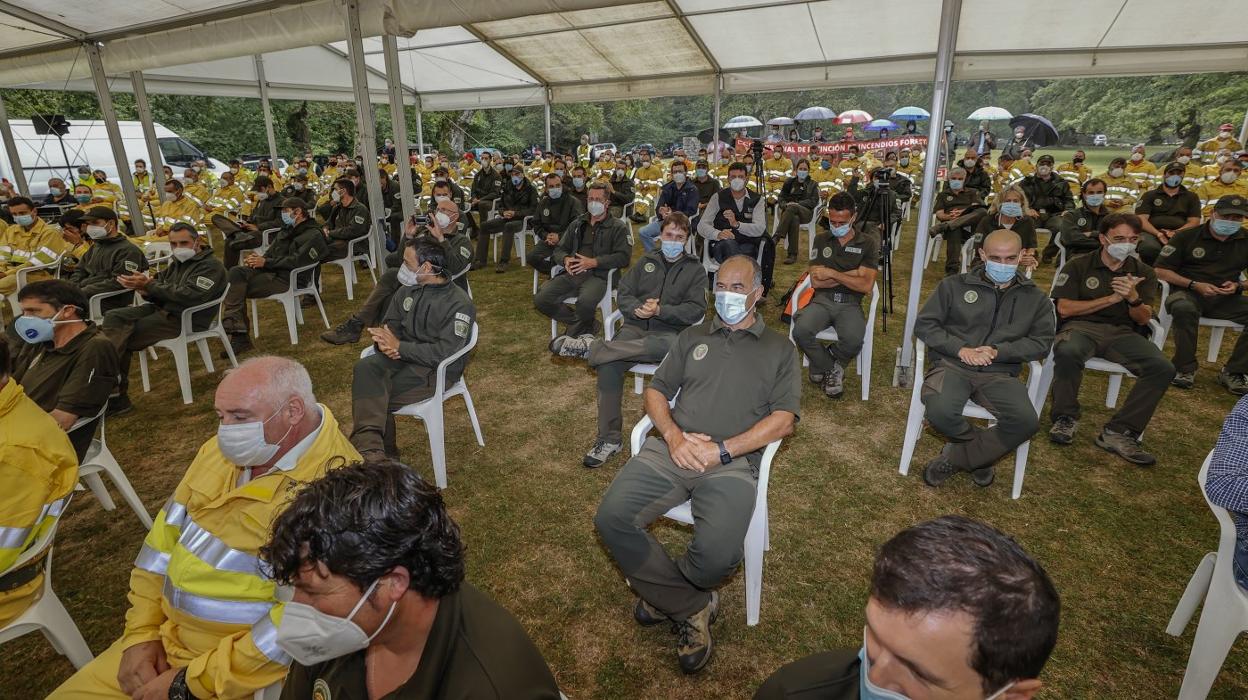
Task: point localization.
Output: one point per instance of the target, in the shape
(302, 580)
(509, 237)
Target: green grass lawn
(1120, 542)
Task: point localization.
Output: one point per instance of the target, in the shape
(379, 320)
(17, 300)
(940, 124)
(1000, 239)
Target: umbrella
(742, 122)
(990, 113)
(779, 121)
(853, 116)
(910, 114)
(1040, 131)
(811, 113)
(881, 124)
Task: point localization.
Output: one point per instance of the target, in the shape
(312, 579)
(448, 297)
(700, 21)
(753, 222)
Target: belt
(21, 577)
(846, 298)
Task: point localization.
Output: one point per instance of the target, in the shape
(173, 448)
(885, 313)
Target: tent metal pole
(398, 116)
(10, 148)
(546, 111)
(155, 161)
(420, 129)
(268, 111)
(366, 136)
(950, 14)
(114, 136)
(1243, 129)
(719, 93)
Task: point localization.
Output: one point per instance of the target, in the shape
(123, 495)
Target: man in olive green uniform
(111, 254)
(555, 211)
(428, 320)
(348, 219)
(519, 199)
(1103, 300)
(487, 187)
(843, 271)
(980, 328)
(592, 246)
(1048, 195)
(799, 195)
(1169, 208)
(1203, 265)
(299, 244)
(1078, 230)
(67, 367)
(660, 296)
(298, 187)
(192, 278)
(958, 209)
(443, 227)
(737, 387)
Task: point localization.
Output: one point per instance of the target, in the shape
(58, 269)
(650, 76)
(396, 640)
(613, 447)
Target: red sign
(805, 150)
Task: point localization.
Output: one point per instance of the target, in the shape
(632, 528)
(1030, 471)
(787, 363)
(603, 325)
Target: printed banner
(805, 150)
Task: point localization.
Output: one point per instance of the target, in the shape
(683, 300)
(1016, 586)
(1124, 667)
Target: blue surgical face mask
(803, 174)
(288, 218)
(1094, 200)
(578, 182)
(840, 231)
(554, 192)
(672, 249)
(1000, 273)
(826, 164)
(82, 198)
(24, 219)
(35, 329)
(1224, 227)
(1013, 209)
(515, 180)
(56, 191)
(701, 172)
(1174, 180)
(955, 185)
(731, 306)
(869, 691)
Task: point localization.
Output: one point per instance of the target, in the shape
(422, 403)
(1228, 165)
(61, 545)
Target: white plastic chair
(100, 459)
(604, 306)
(349, 273)
(93, 304)
(757, 537)
(23, 273)
(862, 363)
(47, 614)
(289, 300)
(641, 370)
(180, 346)
(1217, 326)
(431, 409)
(272, 692)
(808, 226)
(914, 421)
(1225, 613)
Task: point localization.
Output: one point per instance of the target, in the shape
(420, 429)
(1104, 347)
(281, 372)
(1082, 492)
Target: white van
(87, 144)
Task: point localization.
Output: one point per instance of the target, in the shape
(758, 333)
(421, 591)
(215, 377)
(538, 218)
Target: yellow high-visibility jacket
(1193, 174)
(38, 246)
(1209, 149)
(1145, 173)
(171, 211)
(226, 198)
(1121, 193)
(1212, 190)
(198, 586)
(38, 470)
(197, 192)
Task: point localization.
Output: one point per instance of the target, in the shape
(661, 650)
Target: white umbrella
(811, 113)
(990, 114)
(742, 122)
(779, 121)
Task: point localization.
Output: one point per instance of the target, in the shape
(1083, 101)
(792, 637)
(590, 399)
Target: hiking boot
(573, 347)
(984, 476)
(118, 406)
(1124, 445)
(240, 343)
(816, 378)
(600, 453)
(834, 382)
(1063, 430)
(695, 646)
(371, 456)
(647, 615)
(1184, 380)
(556, 345)
(790, 260)
(345, 333)
(1237, 384)
(938, 471)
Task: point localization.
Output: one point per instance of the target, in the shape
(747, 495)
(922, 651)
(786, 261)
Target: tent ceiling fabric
(496, 54)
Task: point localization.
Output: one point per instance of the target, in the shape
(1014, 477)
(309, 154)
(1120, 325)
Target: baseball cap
(1232, 204)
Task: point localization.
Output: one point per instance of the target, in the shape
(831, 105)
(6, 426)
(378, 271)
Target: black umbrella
(706, 136)
(1040, 131)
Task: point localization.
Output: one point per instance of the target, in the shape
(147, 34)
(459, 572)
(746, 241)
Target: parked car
(1100, 140)
(600, 148)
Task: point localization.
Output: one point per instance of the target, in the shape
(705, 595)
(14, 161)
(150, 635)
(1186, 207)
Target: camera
(757, 148)
(882, 177)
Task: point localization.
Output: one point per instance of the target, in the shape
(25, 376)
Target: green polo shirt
(475, 649)
(1169, 212)
(965, 198)
(729, 380)
(1198, 255)
(1087, 277)
(76, 377)
(863, 250)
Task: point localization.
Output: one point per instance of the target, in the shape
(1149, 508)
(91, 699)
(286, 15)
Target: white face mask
(243, 444)
(737, 184)
(407, 278)
(440, 198)
(182, 254)
(1137, 157)
(312, 637)
(679, 178)
(1120, 251)
(1184, 159)
(596, 208)
(731, 306)
(968, 163)
(97, 232)
(1044, 170)
(1115, 172)
(1229, 176)
(443, 219)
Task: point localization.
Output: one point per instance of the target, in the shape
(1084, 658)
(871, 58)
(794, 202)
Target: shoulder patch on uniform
(359, 219)
(204, 283)
(131, 266)
(1168, 250)
(461, 328)
(320, 690)
(1082, 221)
(1061, 279)
(971, 296)
(1158, 202)
(649, 267)
(1092, 282)
(827, 251)
(407, 304)
(546, 211)
(700, 351)
(460, 315)
(463, 250)
(314, 253)
(1198, 253)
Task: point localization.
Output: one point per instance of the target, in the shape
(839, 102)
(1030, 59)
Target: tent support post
(420, 130)
(366, 136)
(114, 136)
(1243, 129)
(398, 117)
(546, 110)
(268, 111)
(10, 148)
(719, 90)
(950, 14)
(155, 162)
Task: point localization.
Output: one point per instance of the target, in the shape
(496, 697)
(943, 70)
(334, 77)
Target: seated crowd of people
(376, 564)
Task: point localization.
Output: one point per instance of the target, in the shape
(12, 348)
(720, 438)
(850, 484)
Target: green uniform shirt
(803, 192)
(487, 184)
(106, 259)
(554, 215)
(1047, 197)
(1024, 227)
(76, 378)
(475, 649)
(679, 286)
(607, 241)
(830, 675)
(1167, 212)
(295, 247)
(346, 223)
(863, 250)
(729, 380)
(1199, 256)
(182, 285)
(1086, 277)
(432, 322)
(1080, 230)
(965, 198)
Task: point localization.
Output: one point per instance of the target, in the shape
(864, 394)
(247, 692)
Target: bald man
(981, 327)
(203, 615)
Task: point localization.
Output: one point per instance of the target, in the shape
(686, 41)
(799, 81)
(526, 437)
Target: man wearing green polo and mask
(110, 255)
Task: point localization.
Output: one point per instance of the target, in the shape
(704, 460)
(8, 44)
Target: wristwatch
(724, 456)
(1135, 303)
(178, 689)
